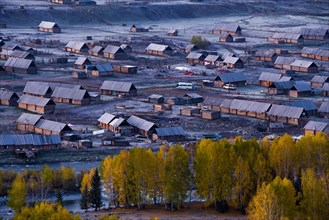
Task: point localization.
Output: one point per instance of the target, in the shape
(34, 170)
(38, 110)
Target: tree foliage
(17, 194)
(200, 42)
(96, 191)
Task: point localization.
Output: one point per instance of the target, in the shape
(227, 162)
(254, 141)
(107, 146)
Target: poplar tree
(17, 194)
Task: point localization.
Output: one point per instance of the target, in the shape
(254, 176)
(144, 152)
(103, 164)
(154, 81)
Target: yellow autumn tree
(17, 194)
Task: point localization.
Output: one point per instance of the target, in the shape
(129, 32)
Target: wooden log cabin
(100, 70)
(96, 51)
(159, 49)
(314, 127)
(299, 89)
(318, 33)
(233, 62)
(225, 37)
(213, 61)
(18, 65)
(127, 69)
(51, 27)
(265, 55)
(319, 81)
(44, 126)
(194, 58)
(283, 62)
(120, 89)
(285, 114)
(233, 29)
(114, 53)
(36, 104)
(141, 126)
(279, 38)
(310, 109)
(76, 47)
(325, 89)
(8, 97)
(121, 126)
(249, 108)
(71, 96)
(136, 28)
(26, 122)
(315, 53)
(237, 79)
(105, 120)
(4, 55)
(169, 134)
(37, 89)
(304, 66)
(210, 114)
(266, 79)
(81, 63)
(324, 109)
(279, 88)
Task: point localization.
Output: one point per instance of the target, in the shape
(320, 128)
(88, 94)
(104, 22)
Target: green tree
(200, 42)
(96, 191)
(59, 197)
(85, 198)
(17, 194)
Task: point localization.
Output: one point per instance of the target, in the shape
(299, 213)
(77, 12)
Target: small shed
(265, 55)
(71, 96)
(190, 48)
(233, 62)
(37, 89)
(310, 109)
(44, 126)
(159, 49)
(169, 134)
(156, 99)
(324, 109)
(143, 127)
(172, 33)
(36, 104)
(233, 29)
(300, 88)
(52, 27)
(190, 111)
(304, 66)
(114, 52)
(225, 37)
(8, 97)
(18, 65)
(285, 114)
(325, 89)
(136, 28)
(236, 78)
(319, 81)
(195, 58)
(105, 120)
(26, 122)
(126, 69)
(81, 63)
(115, 88)
(76, 47)
(314, 127)
(104, 69)
(192, 98)
(210, 114)
(96, 51)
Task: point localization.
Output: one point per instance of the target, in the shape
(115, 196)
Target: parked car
(229, 86)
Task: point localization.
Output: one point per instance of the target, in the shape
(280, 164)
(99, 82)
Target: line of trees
(247, 175)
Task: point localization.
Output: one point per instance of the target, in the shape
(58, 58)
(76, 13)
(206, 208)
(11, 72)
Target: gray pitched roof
(250, 106)
(34, 100)
(315, 51)
(316, 126)
(155, 96)
(82, 61)
(47, 24)
(7, 95)
(97, 49)
(284, 60)
(324, 107)
(308, 105)
(117, 122)
(213, 58)
(325, 87)
(117, 86)
(231, 60)
(320, 79)
(113, 49)
(27, 118)
(51, 125)
(231, 77)
(314, 31)
(157, 47)
(303, 63)
(17, 54)
(190, 46)
(226, 103)
(286, 36)
(264, 53)
(36, 88)
(10, 46)
(193, 95)
(28, 139)
(170, 131)
(19, 63)
(227, 27)
(224, 35)
(212, 101)
(53, 85)
(106, 118)
(140, 123)
(285, 111)
(271, 77)
(194, 55)
(68, 93)
(77, 45)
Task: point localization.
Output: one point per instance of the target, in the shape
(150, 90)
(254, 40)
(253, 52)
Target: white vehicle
(186, 86)
(229, 87)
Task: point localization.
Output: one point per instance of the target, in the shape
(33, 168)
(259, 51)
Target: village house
(319, 33)
(81, 63)
(159, 49)
(233, 29)
(10, 47)
(280, 38)
(324, 109)
(156, 99)
(285, 114)
(213, 61)
(105, 119)
(114, 52)
(279, 88)
(300, 88)
(37, 89)
(127, 69)
(194, 58)
(67, 2)
(283, 62)
(267, 79)
(72, 96)
(169, 134)
(26, 122)
(225, 37)
(121, 126)
(135, 28)
(315, 53)
(325, 89)
(319, 81)
(13, 142)
(212, 103)
(192, 98)
(79, 75)
(126, 48)
(233, 62)
(120, 89)
(44, 126)
(304, 66)
(314, 127)
(142, 126)
(172, 33)
(236, 78)
(76, 47)
(96, 51)
(4, 55)
(309, 106)
(104, 69)
(210, 114)
(249, 108)
(190, 48)
(8, 97)
(265, 55)
(52, 27)
(18, 65)
(36, 104)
